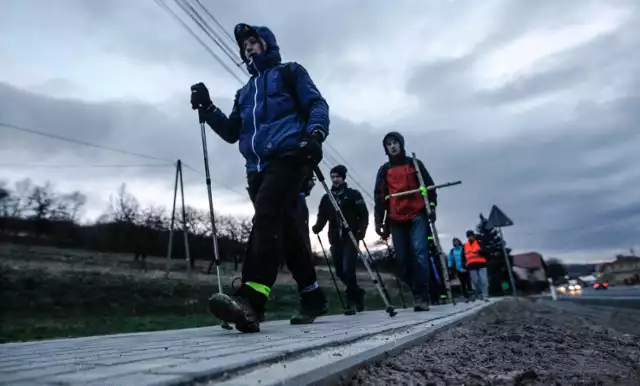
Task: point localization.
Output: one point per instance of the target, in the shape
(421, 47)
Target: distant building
(624, 270)
(530, 267)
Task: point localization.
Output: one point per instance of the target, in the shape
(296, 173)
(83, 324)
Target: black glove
(316, 229)
(312, 147)
(200, 97)
(382, 231)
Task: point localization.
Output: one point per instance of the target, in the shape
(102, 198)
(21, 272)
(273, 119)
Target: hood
(397, 136)
(270, 56)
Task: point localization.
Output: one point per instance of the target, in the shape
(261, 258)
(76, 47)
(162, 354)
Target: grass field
(52, 293)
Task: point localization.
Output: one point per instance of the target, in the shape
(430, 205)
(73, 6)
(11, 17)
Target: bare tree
(19, 202)
(196, 221)
(124, 207)
(69, 206)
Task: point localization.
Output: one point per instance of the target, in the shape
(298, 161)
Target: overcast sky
(534, 105)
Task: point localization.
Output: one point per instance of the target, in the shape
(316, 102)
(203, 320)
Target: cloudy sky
(534, 105)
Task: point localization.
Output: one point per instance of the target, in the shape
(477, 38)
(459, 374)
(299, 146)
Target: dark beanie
(340, 170)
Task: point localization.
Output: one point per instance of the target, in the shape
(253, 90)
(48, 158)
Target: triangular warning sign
(497, 219)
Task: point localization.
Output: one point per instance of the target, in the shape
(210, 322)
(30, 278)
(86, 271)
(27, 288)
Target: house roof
(531, 260)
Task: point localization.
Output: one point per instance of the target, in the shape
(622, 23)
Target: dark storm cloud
(564, 171)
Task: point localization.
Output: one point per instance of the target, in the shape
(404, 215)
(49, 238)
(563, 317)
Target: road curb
(336, 371)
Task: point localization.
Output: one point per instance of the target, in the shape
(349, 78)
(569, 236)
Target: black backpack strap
(286, 74)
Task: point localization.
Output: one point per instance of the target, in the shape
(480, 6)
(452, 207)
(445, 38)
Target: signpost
(497, 219)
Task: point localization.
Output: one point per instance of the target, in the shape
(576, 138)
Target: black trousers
(465, 282)
(345, 257)
(279, 228)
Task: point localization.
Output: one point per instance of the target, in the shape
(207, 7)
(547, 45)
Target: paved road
(624, 297)
(183, 356)
(627, 292)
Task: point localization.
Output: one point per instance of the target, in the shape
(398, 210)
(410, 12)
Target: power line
(224, 31)
(127, 152)
(81, 166)
(195, 36)
(243, 195)
(204, 26)
(84, 143)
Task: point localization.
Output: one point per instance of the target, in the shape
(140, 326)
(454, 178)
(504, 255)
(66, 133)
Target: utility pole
(178, 182)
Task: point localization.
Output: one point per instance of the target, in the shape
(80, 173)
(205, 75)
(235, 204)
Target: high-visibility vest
(472, 253)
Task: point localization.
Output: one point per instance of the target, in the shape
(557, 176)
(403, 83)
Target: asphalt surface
(626, 292)
(522, 342)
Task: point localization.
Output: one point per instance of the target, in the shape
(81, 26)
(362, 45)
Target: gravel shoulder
(522, 342)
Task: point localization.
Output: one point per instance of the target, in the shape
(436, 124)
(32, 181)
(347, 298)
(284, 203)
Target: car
(600, 285)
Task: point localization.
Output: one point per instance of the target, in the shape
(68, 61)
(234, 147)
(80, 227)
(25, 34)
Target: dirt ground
(522, 342)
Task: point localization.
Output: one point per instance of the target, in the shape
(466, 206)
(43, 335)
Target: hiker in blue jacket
(458, 266)
(279, 119)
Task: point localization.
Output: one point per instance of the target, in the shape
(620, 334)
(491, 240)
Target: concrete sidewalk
(213, 355)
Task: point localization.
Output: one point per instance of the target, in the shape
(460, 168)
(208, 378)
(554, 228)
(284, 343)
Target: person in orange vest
(477, 266)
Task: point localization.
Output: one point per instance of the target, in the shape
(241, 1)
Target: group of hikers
(280, 120)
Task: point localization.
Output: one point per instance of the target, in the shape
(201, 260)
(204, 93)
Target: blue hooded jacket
(456, 255)
(270, 118)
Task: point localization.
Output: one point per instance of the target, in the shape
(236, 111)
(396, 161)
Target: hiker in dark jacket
(279, 119)
(343, 252)
(406, 216)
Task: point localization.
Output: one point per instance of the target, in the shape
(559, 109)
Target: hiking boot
(312, 305)
(241, 309)
(350, 309)
(421, 306)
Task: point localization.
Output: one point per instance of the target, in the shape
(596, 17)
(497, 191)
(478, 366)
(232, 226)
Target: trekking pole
(398, 283)
(432, 187)
(333, 278)
(390, 310)
(375, 269)
(434, 231)
(214, 234)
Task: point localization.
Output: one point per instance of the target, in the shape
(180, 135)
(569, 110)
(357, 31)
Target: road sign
(497, 219)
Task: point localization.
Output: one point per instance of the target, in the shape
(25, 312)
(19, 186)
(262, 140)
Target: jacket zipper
(255, 126)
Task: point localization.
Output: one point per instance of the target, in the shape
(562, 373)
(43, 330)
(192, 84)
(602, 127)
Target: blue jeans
(345, 256)
(480, 282)
(412, 254)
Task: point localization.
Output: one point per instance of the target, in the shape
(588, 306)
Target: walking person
(407, 220)
(477, 266)
(457, 265)
(279, 119)
(343, 252)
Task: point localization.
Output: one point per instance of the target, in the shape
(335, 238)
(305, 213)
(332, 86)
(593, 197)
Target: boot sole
(312, 319)
(229, 310)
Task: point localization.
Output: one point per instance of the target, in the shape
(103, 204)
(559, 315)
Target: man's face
(471, 237)
(456, 243)
(393, 146)
(336, 180)
(252, 47)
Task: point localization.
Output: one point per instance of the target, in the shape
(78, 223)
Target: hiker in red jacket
(406, 216)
